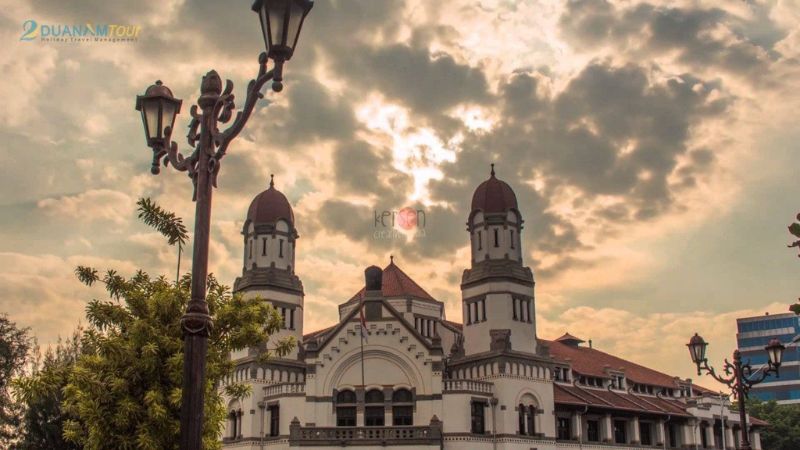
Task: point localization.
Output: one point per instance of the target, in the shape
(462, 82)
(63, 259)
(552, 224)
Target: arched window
(374, 408)
(402, 408)
(346, 409)
(526, 411)
(232, 423)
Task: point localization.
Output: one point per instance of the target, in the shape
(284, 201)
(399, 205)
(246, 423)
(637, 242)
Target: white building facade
(420, 381)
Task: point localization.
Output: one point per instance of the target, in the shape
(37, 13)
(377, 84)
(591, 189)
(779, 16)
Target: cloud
(102, 204)
(701, 38)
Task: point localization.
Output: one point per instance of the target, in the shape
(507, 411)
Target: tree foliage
(783, 432)
(15, 346)
(165, 222)
(124, 391)
(41, 391)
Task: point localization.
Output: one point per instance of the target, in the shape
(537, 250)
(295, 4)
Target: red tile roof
(397, 284)
(592, 362)
(603, 398)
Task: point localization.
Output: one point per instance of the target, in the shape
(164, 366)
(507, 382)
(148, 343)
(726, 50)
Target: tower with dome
(420, 381)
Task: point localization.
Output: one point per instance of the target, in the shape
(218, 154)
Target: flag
(363, 322)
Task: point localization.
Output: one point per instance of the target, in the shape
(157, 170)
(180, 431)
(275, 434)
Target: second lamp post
(739, 375)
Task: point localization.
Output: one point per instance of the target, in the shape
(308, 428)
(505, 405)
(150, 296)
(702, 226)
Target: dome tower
(497, 290)
(270, 238)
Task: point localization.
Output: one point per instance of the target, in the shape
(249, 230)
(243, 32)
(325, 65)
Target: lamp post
(738, 375)
(281, 21)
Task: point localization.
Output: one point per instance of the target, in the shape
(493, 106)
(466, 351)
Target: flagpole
(363, 331)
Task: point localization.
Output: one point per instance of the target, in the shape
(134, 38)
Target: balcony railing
(284, 389)
(482, 387)
(346, 436)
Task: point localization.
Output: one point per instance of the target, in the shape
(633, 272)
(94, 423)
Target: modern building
(416, 380)
(753, 333)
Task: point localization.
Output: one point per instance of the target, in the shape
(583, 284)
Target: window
(620, 437)
(531, 421)
(283, 317)
(402, 408)
(274, 420)
(562, 428)
(496, 238)
(592, 431)
(374, 409)
(527, 413)
(704, 436)
(478, 423)
(232, 417)
(516, 302)
(645, 433)
(291, 318)
(264, 247)
(483, 308)
(480, 241)
(673, 436)
(250, 249)
(280, 248)
(346, 409)
(512, 238)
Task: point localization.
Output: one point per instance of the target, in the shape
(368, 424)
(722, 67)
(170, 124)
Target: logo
(406, 222)
(34, 31)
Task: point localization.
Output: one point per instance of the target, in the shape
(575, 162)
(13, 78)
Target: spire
(391, 259)
(492, 170)
(272, 180)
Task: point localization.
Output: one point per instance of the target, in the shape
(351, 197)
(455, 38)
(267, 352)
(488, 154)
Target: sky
(652, 146)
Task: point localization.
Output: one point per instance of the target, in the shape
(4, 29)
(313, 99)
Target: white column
(660, 436)
(755, 440)
(730, 439)
(710, 435)
(607, 428)
(576, 427)
(633, 436)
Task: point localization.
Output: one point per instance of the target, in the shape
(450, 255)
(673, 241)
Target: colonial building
(416, 380)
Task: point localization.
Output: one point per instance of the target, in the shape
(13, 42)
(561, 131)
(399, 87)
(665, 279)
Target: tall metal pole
(741, 395)
(722, 418)
(196, 322)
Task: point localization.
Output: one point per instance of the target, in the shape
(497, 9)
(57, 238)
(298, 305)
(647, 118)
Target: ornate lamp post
(281, 21)
(738, 375)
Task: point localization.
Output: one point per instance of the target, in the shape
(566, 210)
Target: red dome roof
(270, 206)
(494, 196)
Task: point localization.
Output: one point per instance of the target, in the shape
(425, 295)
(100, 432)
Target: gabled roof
(397, 283)
(570, 339)
(592, 362)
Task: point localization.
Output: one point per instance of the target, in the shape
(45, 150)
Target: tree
(125, 389)
(15, 346)
(42, 394)
(783, 431)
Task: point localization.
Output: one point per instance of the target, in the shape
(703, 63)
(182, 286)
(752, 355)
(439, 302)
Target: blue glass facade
(754, 333)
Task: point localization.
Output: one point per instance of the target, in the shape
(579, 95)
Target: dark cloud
(691, 33)
(360, 170)
(426, 83)
(613, 132)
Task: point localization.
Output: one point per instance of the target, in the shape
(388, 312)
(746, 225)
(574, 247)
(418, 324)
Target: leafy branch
(165, 222)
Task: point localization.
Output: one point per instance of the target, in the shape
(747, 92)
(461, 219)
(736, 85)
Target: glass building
(753, 334)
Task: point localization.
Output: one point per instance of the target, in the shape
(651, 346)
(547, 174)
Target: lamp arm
(223, 139)
(747, 373)
(710, 370)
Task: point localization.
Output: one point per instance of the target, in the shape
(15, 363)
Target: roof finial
(391, 259)
(492, 169)
(272, 180)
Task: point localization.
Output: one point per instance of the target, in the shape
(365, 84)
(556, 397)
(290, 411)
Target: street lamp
(281, 21)
(738, 375)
